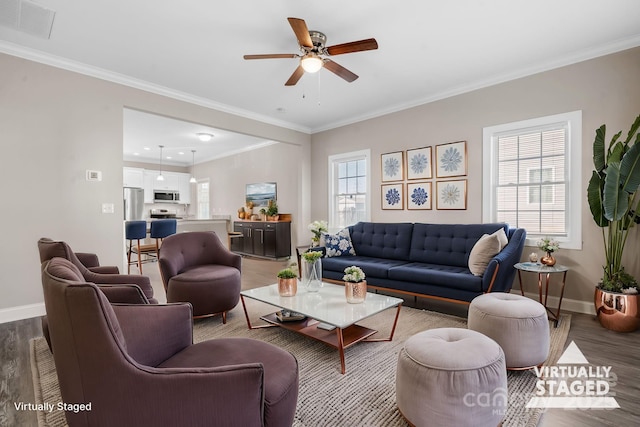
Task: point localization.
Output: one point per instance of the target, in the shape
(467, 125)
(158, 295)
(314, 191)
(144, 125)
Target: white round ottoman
(451, 377)
(519, 324)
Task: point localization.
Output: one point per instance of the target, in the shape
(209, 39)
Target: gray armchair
(136, 364)
(197, 268)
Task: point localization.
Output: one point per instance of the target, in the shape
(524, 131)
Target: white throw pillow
(485, 248)
(502, 238)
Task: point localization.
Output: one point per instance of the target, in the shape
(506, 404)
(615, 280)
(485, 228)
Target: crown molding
(102, 74)
(580, 56)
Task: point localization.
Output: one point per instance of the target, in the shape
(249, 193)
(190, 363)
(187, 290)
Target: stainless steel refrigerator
(133, 203)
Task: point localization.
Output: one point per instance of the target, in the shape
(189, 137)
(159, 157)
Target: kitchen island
(221, 224)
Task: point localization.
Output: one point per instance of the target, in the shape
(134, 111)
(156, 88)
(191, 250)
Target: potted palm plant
(613, 199)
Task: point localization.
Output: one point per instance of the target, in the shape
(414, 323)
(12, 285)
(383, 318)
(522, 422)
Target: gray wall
(606, 89)
(55, 124)
(59, 123)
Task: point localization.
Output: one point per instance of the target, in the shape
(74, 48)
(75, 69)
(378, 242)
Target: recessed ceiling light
(147, 148)
(204, 137)
(169, 157)
(181, 153)
(136, 154)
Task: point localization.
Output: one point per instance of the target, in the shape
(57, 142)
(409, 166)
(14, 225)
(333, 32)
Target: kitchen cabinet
(133, 177)
(174, 181)
(268, 239)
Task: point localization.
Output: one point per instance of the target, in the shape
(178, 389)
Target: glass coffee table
(327, 315)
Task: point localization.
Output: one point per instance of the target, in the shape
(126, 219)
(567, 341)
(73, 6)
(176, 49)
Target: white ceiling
(428, 50)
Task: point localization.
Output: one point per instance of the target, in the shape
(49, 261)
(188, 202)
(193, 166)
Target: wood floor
(599, 346)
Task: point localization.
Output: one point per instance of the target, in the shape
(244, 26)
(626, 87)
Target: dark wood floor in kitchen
(600, 347)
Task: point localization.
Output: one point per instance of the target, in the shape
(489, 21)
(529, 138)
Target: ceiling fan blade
(272, 56)
(302, 32)
(339, 70)
(359, 46)
(295, 76)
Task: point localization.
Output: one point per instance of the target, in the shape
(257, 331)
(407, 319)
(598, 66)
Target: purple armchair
(136, 364)
(197, 268)
(97, 274)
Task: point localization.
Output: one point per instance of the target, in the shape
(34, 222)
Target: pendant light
(160, 177)
(193, 163)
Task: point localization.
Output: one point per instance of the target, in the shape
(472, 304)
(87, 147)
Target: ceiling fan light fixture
(204, 137)
(311, 63)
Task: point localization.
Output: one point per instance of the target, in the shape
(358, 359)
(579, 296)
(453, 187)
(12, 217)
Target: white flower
(353, 274)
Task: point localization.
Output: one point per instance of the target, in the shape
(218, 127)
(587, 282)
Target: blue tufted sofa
(428, 260)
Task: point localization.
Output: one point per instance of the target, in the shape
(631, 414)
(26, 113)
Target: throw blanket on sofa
(428, 259)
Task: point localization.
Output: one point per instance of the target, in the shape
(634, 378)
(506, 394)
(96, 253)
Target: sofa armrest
(105, 269)
(88, 259)
(155, 332)
(124, 294)
(122, 279)
(498, 277)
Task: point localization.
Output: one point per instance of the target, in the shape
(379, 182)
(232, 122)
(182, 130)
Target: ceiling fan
(313, 52)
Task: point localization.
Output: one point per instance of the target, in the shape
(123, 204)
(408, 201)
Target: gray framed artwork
(419, 196)
(419, 163)
(392, 196)
(451, 195)
(451, 159)
(392, 166)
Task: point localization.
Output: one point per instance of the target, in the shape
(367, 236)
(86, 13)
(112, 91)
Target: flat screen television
(260, 193)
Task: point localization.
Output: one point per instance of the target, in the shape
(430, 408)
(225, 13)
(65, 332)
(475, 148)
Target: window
(202, 197)
(532, 177)
(349, 188)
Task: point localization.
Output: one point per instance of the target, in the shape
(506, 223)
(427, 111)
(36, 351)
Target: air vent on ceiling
(26, 16)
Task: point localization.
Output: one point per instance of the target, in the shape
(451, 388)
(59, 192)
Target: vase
(356, 293)
(312, 275)
(548, 260)
(617, 312)
(287, 287)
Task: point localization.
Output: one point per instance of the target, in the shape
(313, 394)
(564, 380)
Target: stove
(162, 213)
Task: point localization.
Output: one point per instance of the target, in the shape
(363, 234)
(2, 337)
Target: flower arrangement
(311, 256)
(549, 245)
(353, 274)
(317, 228)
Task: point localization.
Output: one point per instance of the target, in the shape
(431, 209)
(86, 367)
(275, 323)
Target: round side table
(541, 270)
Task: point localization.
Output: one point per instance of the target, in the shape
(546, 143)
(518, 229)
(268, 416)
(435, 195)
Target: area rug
(364, 396)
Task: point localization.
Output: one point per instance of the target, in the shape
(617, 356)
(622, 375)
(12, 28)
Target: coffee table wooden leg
(393, 329)
(343, 368)
(246, 315)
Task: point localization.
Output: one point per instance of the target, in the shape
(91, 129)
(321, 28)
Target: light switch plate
(108, 208)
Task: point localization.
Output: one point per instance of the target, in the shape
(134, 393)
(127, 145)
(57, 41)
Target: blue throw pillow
(338, 244)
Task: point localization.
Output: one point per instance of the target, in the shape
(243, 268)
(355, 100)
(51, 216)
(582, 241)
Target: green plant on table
(613, 199)
(311, 256)
(288, 273)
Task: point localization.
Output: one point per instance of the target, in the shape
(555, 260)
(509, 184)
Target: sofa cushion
(447, 244)
(382, 240)
(372, 267)
(338, 244)
(438, 275)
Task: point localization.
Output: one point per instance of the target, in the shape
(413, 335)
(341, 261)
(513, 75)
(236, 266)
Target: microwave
(166, 196)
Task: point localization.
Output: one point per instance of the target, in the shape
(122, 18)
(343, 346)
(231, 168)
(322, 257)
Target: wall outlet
(108, 208)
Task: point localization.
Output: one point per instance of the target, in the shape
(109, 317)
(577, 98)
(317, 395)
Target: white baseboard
(12, 314)
(568, 304)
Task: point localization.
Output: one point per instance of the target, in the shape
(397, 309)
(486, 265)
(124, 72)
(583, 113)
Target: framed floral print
(451, 159)
(419, 195)
(392, 196)
(451, 195)
(419, 163)
(392, 166)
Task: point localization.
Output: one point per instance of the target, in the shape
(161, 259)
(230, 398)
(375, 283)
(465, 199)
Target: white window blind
(532, 177)
(202, 196)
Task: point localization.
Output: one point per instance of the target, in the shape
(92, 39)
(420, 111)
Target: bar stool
(135, 230)
(160, 228)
